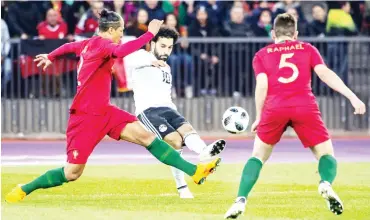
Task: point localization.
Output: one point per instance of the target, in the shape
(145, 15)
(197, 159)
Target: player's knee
(72, 173)
(186, 129)
(325, 148)
(145, 138)
(175, 141)
(72, 176)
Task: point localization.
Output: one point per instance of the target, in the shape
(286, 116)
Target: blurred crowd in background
(70, 20)
(66, 19)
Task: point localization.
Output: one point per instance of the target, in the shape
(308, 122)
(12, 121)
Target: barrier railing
(209, 75)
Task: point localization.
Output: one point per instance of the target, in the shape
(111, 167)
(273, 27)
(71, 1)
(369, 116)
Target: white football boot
(333, 201)
(236, 209)
(212, 150)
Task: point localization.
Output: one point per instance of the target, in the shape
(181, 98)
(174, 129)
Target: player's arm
(67, 48)
(46, 59)
(123, 50)
(260, 93)
(334, 81)
(261, 84)
(261, 89)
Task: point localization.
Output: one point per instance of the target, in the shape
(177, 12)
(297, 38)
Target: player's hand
(159, 63)
(358, 105)
(255, 125)
(42, 60)
(154, 26)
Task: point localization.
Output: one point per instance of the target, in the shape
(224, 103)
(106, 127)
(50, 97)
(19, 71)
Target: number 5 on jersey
(285, 63)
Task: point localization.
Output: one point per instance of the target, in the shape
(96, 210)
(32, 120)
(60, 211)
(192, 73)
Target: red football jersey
(288, 67)
(94, 71)
(57, 32)
(88, 23)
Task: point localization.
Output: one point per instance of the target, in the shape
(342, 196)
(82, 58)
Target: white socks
(178, 175)
(194, 142)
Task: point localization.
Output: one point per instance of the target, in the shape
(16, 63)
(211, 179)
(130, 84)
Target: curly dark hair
(167, 32)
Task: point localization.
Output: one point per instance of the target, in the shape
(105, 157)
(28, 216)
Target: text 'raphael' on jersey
(278, 48)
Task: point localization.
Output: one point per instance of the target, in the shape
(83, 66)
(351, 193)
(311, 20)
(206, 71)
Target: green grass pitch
(284, 191)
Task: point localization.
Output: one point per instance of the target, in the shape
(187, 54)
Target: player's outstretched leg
(175, 140)
(251, 171)
(52, 178)
(328, 170)
(193, 141)
(135, 132)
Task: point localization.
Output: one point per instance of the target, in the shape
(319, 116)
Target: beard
(160, 57)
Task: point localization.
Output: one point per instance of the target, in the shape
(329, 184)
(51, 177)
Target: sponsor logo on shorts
(162, 128)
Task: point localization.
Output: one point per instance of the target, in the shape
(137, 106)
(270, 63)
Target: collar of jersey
(284, 41)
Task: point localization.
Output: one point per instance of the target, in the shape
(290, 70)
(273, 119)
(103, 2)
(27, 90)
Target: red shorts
(306, 122)
(85, 131)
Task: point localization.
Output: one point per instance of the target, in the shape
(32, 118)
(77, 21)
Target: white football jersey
(151, 85)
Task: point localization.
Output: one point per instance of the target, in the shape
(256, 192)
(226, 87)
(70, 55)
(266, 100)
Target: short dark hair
(167, 32)
(109, 19)
(285, 25)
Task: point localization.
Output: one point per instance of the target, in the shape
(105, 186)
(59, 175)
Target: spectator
(243, 4)
(317, 29)
(357, 13)
(6, 62)
(61, 7)
(340, 22)
(190, 8)
(74, 14)
(202, 26)
(53, 27)
(154, 9)
(302, 25)
(236, 62)
(317, 26)
(284, 5)
(216, 10)
(24, 17)
(180, 58)
(236, 27)
(139, 26)
(88, 23)
(179, 9)
(127, 10)
(206, 58)
(263, 27)
(255, 14)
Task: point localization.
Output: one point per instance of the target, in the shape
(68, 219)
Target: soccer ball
(235, 120)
